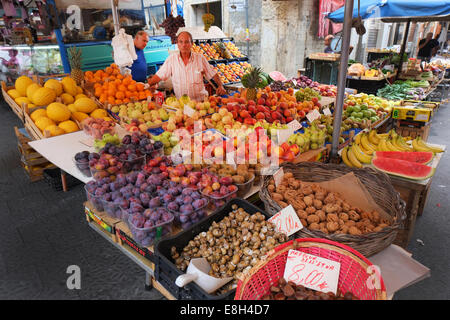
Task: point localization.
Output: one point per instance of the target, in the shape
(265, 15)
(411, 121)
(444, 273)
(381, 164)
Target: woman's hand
(221, 90)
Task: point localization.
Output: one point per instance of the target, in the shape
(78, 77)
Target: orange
(111, 100)
(118, 81)
(114, 66)
(102, 98)
(108, 70)
(97, 85)
(89, 73)
(118, 101)
(142, 95)
(111, 92)
(126, 100)
(131, 87)
(120, 95)
(119, 76)
(127, 80)
(140, 86)
(128, 94)
(122, 88)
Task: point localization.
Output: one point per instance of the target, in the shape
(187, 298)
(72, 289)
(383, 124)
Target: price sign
(278, 176)
(187, 110)
(294, 125)
(313, 115)
(327, 111)
(286, 221)
(312, 271)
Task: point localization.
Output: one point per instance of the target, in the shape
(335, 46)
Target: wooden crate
(31, 127)
(17, 109)
(409, 131)
(42, 79)
(102, 220)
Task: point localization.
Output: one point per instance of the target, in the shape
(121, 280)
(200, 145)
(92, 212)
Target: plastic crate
(53, 178)
(165, 270)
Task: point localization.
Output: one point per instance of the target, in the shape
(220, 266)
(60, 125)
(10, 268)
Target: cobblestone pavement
(44, 231)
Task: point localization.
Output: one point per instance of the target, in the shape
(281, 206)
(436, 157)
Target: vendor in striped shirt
(187, 70)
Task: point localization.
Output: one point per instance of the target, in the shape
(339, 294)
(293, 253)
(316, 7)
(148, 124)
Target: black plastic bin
(53, 178)
(165, 270)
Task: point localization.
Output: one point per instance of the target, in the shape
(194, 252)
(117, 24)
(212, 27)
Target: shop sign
(311, 271)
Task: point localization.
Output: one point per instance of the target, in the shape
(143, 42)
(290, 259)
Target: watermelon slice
(277, 76)
(417, 157)
(402, 168)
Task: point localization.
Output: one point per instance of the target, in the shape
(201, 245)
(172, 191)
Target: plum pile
(82, 163)
(187, 206)
(153, 224)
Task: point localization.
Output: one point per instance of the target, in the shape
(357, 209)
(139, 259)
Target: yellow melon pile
(60, 103)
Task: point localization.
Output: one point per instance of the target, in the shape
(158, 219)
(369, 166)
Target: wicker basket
(352, 274)
(377, 183)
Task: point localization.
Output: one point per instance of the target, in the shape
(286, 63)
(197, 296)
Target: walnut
(353, 215)
(322, 225)
(298, 204)
(350, 223)
(375, 216)
(320, 195)
(321, 215)
(282, 204)
(314, 226)
(332, 226)
(343, 216)
(308, 201)
(365, 215)
(329, 208)
(383, 225)
(294, 183)
(341, 223)
(306, 190)
(367, 229)
(271, 188)
(345, 206)
(354, 231)
(331, 217)
(288, 175)
(316, 188)
(302, 214)
(304, 222)
(290, 195)
(313, 219)
(330, 198)
(324, 230)
(277, 197)
(281, 189)
(310, 210)
(344, 229)
(317, 204)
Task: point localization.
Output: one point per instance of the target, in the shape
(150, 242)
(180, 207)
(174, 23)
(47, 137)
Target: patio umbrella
(404, 9)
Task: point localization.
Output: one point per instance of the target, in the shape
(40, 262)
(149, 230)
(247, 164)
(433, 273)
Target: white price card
(294, 125)
(278, 176)
(187, 110)
(88, 142)
(311, 271)
(287, 221)
(326, 111)
(294, 82)
(313, 115)
(283, 135)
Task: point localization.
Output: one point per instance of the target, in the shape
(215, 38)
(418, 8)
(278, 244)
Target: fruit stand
(142, 194)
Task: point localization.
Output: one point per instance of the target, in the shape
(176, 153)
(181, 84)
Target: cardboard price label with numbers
(311, 271)
(287, 221)
(313, 115)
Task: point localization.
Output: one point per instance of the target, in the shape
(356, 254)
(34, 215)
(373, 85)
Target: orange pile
(110, 86)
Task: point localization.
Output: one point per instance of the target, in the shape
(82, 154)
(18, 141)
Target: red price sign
(286, 221)
(311, 271)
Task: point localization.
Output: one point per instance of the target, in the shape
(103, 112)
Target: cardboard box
(412, 113)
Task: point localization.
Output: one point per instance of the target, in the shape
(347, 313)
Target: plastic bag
(123, 47)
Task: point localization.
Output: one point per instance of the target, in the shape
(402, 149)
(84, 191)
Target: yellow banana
(402, 143)
(373, 137)
(353, 159)
(382, 146)
(360, 155)
(366, 144)
(344, 157)
(424, 144)
(383, 135)
(358, 138)
(419, 147)
(391, 147)
(397, 145)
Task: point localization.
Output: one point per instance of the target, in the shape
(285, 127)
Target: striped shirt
(187, 79)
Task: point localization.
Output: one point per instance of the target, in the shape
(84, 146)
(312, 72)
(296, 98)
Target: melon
(67, 98)
(21, 84)
(69, 86)
(403, 168)
(58, 112)
(79, 89)
(43, 122)
(43, 96)
(80, 95)
(79, 116)
(68, 126)
(72, 108)
(31, 90)
(14, 93)
(417, 157)
(99, 113)
(54, 130)
(55, 85)
(21, 100)
(37, 114)
(85, 105)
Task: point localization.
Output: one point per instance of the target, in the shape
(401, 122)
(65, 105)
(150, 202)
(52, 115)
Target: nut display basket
(378, 185)
(353, 274)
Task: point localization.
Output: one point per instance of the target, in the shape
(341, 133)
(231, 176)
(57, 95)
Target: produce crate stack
(33, 163)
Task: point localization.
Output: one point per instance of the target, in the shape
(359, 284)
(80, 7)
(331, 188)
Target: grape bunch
(171, 26)
(306, 94)
(208, 20)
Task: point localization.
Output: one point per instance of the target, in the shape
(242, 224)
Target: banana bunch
(419, 145)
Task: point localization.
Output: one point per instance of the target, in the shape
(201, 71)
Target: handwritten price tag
(327, 111)
(188, 111)
(294, 125)
(287, 221)
(312, 271)
(283, 135)
(313, 115)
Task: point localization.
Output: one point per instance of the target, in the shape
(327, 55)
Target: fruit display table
(415, 194)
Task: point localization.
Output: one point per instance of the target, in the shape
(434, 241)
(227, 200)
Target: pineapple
(251, 81)
(75, 64)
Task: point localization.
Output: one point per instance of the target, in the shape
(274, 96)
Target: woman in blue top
(139, 67)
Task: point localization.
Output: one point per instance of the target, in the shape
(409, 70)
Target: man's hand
(221, 90)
